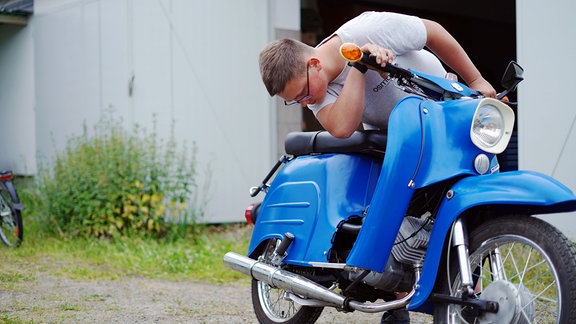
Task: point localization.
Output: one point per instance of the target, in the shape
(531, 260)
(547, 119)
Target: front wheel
(523, 263)
(271, 305)
(11, 230)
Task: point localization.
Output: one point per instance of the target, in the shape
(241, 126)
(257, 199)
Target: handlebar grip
(353, 53)
(393, 70)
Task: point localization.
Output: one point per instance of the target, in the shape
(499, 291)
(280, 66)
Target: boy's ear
(315, 62)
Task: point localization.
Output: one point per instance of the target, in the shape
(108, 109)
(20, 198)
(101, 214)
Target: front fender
(13, 195)
(518, 191)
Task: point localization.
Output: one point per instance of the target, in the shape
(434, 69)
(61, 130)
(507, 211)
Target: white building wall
(196, 63)
(192, 62)
(17, 128)
(547, 112)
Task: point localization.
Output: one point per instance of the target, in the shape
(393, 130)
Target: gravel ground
(49, 299)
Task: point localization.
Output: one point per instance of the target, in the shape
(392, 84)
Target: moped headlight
(492, 126)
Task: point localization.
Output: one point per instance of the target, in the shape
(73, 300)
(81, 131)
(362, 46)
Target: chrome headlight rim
(492, 126)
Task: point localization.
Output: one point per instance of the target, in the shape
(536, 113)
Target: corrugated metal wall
(547, 113)
(196, 63)
(192, 62)
(17, 123)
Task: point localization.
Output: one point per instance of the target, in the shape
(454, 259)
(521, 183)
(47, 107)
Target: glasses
(306, 97)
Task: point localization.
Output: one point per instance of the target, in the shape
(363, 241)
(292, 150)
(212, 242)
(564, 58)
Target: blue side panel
(417, 155)
(516, 190)
(448, 151)
(393, 193)
(309, 197)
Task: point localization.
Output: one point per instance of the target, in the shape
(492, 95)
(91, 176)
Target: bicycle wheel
(11, 230)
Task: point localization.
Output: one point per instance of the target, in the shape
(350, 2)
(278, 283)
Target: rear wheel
(524, 264)
(271, 305)
(11, 230)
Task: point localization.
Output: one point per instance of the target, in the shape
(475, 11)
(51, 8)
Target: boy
(343, 96)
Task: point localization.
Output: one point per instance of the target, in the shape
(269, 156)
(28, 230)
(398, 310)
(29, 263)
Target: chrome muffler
(306, 288)
(282, 279)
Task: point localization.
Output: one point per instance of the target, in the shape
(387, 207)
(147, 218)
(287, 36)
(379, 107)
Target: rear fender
(519, 191)
(13, 195)
(310, 197)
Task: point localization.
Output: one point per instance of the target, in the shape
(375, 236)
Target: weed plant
(115, 204)
(111, 182)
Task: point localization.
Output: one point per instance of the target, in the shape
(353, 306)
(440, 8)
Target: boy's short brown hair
(281, 61)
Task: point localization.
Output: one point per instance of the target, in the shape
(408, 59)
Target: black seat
(364, 142)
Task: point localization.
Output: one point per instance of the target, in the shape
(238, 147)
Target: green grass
(195, 256)
(189, 253)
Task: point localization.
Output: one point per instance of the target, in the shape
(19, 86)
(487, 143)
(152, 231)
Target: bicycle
(11, 228)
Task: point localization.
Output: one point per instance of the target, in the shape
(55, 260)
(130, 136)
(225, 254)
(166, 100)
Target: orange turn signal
(351, 52)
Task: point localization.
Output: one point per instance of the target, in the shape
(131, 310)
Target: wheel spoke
(523, 273)
(540, 296)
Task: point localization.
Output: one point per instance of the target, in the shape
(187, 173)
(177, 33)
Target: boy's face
(295, 86)
(304, 90)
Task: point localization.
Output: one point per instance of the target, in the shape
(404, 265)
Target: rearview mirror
(511, 78)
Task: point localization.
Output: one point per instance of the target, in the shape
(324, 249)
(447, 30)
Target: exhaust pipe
(282, 279)
(301, 286)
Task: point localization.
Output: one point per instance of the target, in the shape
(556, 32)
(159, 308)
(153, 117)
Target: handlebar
(428, 86)
(352, 53)
(393, 70)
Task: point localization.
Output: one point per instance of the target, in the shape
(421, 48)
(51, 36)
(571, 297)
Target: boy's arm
(342, 117)
(441, 43)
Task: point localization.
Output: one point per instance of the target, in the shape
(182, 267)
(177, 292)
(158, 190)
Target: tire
(271, 306)
(11, 229)
(538, 284)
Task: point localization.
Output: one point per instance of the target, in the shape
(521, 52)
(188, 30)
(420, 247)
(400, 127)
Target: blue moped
(424, 221)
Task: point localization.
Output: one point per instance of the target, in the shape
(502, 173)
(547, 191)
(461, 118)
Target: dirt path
(48, 299)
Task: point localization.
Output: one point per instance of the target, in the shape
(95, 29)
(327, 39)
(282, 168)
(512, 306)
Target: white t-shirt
(406, 37)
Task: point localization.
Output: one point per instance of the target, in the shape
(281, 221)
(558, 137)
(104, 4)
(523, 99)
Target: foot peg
(280, 252)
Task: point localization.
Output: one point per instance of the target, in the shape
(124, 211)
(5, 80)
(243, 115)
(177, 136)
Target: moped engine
(409, 249)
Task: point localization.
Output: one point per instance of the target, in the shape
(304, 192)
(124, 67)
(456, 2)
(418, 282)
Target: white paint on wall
(547, 114)
(17, 127)
(195, 63)
(191, 64)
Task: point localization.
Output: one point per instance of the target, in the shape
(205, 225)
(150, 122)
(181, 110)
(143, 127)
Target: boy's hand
(382, 55)
(482, 86)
